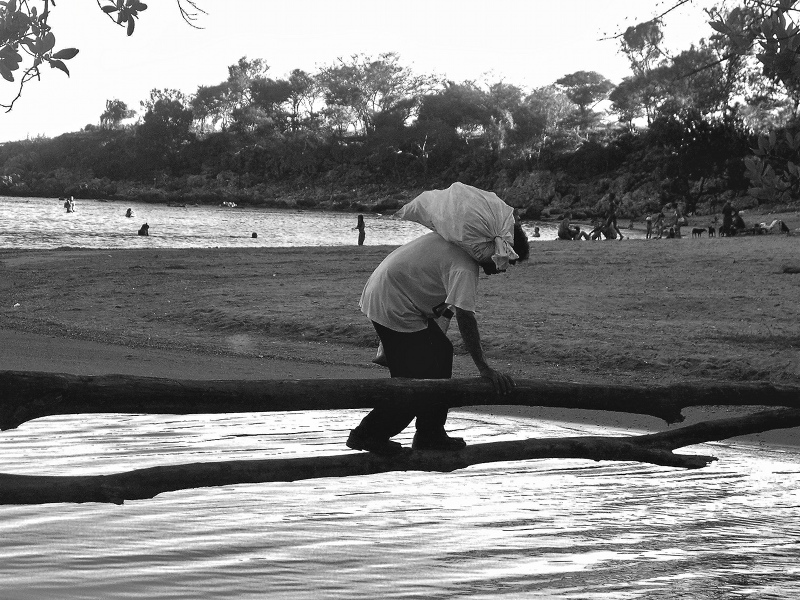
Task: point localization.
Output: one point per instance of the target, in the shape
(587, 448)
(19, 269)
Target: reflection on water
(43, 223)
(548, 529)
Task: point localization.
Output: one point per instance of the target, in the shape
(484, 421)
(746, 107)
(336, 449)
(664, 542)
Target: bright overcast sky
(528, 43)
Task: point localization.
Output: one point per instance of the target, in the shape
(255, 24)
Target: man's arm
(468, 326)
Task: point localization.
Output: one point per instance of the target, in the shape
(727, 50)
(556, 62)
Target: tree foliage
(116, 111)
(770, 30)
(585, 89)
(679, 126)
(28, 42)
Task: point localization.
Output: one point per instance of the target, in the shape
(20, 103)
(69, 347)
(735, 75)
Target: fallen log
(146, 483)
(30, 395)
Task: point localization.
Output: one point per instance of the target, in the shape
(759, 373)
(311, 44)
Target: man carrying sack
(420, 282)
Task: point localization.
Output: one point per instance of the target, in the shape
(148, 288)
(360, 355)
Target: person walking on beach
(414, 285)
(361, 230)
(649, 223)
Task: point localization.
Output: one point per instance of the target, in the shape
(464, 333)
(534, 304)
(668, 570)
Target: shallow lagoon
(538, 529)
(44, 223)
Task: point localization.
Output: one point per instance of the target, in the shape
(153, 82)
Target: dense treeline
(367, 132)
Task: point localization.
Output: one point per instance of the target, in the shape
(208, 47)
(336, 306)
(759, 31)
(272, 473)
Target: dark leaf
(49, 41)
(109, 9)
(718, 26)
(66, 53)
(6, 73)
(131, 25)
(7, 52)
(57, 64)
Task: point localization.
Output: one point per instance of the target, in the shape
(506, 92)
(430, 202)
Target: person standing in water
(611, 216)
(361, 230)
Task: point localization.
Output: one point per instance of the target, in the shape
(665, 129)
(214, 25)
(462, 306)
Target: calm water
(547, 529)
(44, 223)
(536, 529)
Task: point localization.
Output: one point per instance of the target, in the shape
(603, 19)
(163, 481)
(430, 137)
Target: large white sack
(476, 220)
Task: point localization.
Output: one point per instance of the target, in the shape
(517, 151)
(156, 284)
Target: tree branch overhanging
(26, 32)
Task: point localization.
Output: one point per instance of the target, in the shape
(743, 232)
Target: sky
(528, 43)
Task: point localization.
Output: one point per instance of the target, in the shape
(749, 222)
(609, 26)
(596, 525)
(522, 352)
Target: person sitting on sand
(776, 223)
(727, 219)
(129, 212)
(413, 286)
(566, 231)
(602, 230)
(536, 232)
(144, 229)
(738, 223)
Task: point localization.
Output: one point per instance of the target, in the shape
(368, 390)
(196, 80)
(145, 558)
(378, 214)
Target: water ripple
(539, 529)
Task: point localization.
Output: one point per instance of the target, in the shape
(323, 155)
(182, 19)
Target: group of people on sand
(667, 223)
(607, 228)
(733, 224)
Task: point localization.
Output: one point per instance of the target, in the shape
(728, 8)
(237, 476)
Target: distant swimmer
(129, 212)
(144, 229)
(255, 235)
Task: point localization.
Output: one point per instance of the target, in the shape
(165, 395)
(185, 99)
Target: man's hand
(468, 326)
(503, 384)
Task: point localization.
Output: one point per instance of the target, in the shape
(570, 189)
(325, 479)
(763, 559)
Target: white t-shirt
(403, 291)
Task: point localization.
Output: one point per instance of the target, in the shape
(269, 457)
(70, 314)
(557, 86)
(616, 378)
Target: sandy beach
(633, 311)
(637, 312)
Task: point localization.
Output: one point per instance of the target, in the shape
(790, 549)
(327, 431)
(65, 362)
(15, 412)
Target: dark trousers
(426, 354)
